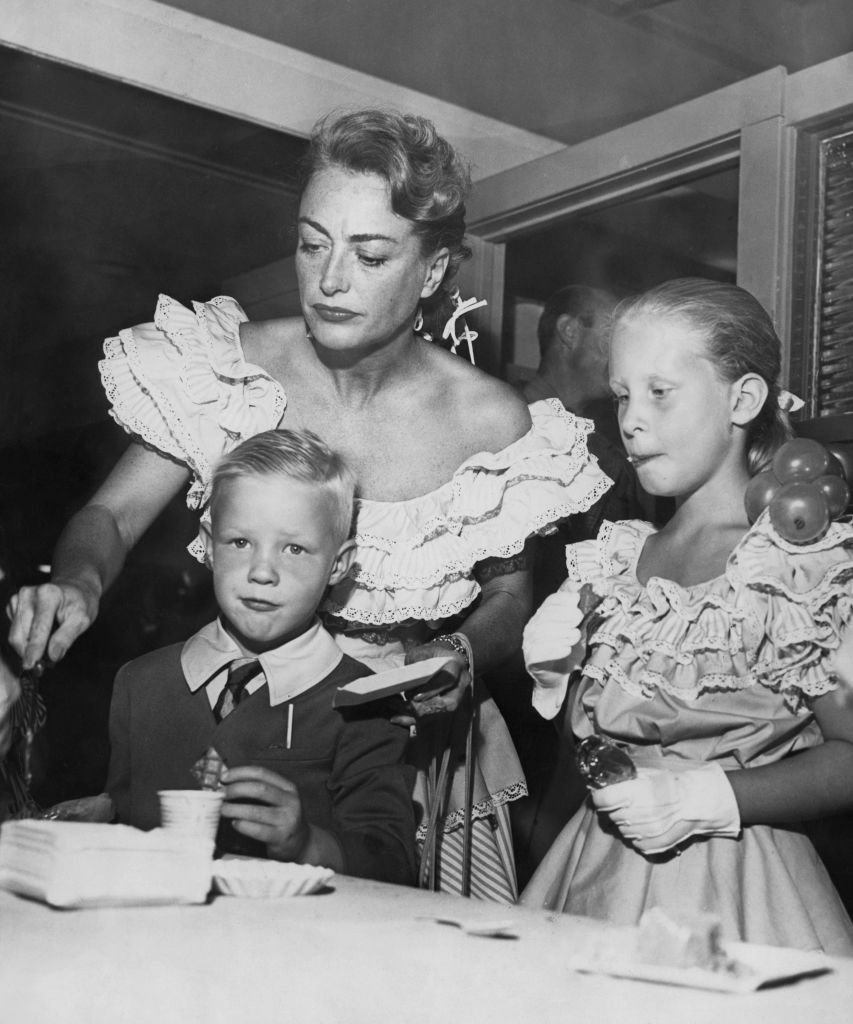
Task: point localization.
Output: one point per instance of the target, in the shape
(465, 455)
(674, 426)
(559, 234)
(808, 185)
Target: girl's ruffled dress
(182, 386)
(720, 671)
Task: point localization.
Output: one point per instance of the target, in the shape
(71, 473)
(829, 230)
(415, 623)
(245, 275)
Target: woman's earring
(418, 325)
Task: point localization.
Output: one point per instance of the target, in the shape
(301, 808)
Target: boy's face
(273, 551)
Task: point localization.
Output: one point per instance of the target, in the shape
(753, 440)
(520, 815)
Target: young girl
(719, 656)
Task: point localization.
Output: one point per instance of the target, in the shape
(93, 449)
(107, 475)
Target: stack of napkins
(78, 864)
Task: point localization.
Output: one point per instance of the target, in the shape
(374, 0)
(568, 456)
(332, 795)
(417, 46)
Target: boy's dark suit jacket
(347, 764)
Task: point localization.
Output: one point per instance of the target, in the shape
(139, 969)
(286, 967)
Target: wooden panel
(766, 171)
(834, 293)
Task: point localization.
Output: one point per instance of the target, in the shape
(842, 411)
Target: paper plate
(268, 879)
(755, 966)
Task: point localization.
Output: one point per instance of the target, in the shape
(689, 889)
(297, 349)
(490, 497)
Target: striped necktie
(240, 672)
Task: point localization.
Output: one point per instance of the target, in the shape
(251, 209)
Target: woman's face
(360, 267)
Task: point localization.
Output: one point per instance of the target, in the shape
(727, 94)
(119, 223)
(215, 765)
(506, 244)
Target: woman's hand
(446, 688)
(91, 552)
(47, 619)
(663, 807)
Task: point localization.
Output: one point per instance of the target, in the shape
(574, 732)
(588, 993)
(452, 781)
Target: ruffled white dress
(721, 671)
(182, 386)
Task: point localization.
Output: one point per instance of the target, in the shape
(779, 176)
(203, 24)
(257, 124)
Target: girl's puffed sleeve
(797, 604)
(182, 386)
(614, 552)
(554, 643)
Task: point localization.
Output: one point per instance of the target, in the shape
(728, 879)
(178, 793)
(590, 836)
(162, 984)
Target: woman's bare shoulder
(268, 343)
(486, 407)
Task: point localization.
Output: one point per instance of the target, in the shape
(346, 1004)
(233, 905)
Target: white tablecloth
(363, 952)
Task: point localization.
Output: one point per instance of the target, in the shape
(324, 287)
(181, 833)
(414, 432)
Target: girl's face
(360, 268)
(675, 413)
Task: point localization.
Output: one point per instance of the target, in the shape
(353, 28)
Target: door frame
(742, 123)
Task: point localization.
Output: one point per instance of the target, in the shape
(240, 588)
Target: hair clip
(789, 402)
(462, 307)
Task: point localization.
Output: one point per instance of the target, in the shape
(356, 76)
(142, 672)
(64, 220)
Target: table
(362, 952)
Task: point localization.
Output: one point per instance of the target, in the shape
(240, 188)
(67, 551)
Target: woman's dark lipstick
(333, 314)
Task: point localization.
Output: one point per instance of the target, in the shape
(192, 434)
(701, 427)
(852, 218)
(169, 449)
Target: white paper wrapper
(193, 812)
(81, 864)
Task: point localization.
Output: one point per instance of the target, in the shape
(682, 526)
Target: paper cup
(191, 811)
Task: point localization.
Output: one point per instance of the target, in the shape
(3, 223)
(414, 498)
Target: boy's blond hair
(299, 455)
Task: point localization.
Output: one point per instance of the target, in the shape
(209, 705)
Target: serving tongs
(28, 717)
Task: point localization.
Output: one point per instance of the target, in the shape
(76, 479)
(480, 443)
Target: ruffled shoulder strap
(416, 559)
(614, 552)
(182, 386)
(546, 475)
(798, 596)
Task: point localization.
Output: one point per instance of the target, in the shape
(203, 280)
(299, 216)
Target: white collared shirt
(288, 670)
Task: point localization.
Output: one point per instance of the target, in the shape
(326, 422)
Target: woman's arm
(807, 785)
(90, 554)
(495, 626)
(493, 629)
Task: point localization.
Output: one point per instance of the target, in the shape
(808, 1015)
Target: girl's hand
(276, 818)
(548, 645)
(48, 619)
(663, 807)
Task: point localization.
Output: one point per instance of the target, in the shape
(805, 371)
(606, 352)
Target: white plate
(268, 879)
(759, 965)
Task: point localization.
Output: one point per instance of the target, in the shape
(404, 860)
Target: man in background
(574, 336)
(574, 339)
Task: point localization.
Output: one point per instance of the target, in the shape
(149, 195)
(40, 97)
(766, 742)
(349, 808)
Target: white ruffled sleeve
(798, 606)
(182, 386)
(416, 559)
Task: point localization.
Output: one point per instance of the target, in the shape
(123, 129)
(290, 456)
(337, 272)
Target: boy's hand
(276, 819)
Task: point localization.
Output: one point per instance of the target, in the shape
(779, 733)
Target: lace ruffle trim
(482, 809)
(416, 558)
(614, 551)
(783, 623)
(159, 378)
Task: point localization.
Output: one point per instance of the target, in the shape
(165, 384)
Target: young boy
(313, 784)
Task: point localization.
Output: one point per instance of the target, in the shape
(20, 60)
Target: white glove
(549, 640)
(663, 807)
